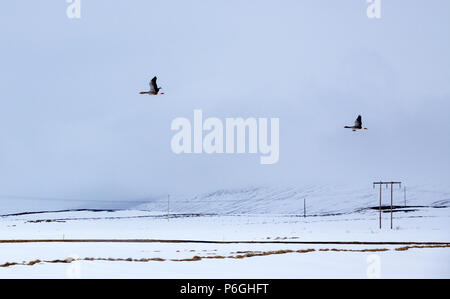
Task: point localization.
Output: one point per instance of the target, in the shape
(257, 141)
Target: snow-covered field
(254, 233)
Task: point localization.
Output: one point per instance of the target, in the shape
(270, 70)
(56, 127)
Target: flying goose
(357, 126)
(154, 89)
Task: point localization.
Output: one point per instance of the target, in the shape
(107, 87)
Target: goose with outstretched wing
(154, 89)
(358, 125)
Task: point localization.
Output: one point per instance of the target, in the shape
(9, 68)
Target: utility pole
(168, 207)
(404, 194)
(392, 196)
(304, 207)
(380, 204)
(391, 204)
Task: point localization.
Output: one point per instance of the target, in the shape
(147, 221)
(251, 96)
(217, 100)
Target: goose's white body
(152, 93)
(356, 129)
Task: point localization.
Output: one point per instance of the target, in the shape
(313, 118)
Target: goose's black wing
(358, 122)
(153, 85)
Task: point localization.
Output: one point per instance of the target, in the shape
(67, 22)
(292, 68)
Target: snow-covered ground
(273, 217)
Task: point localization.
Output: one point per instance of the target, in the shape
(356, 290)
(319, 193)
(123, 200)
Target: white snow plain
(254, 214)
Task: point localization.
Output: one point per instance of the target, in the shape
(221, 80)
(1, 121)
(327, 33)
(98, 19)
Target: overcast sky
(72, 123)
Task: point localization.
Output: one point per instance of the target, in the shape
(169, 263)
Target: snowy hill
(320, 200)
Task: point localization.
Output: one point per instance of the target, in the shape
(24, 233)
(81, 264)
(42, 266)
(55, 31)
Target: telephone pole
(392, 196)
(404, 194)
(304, 207)
(380, 204)
(168, 207)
